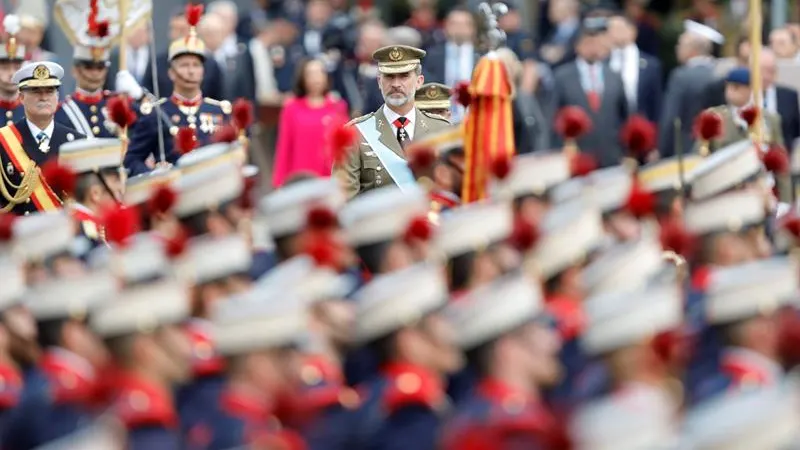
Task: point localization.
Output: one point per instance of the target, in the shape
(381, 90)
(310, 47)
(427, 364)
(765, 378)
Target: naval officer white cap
(38, 74)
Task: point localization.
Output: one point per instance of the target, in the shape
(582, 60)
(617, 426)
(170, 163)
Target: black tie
(402, 135)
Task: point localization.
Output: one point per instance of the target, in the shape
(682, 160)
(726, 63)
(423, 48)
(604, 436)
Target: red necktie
(592, 95)
(402, 134)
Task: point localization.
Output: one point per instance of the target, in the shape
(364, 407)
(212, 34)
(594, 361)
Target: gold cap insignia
(432, 93)
(395, 55)
(41, 72)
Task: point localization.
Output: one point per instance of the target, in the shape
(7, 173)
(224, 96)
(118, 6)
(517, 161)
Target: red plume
(708, 125)
(99, 29)
(321, 218)
(120, 223)
(640, 202)
(320, 247)
(247, 200)
(582, 164)
(177, 245)
(462, 94)
(225, 133)
(60, 178)
(524, 235)
(776, 160)
(750, 114)
(7, 226)
(791, 225)
(162, 199)
(676, 238)
(419, 229)
(342, 141)
(186, 140)
(572, 122)
(242, 114)
(501, 166)
(639, 136)
(120, 112)
(421, 158)
(193, 14)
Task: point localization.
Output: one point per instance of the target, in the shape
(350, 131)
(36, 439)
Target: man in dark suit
(356, 79)
(27, 144)
(213, 83)
(452, 61)
(640, 72)
(590, 84)
(559, 46)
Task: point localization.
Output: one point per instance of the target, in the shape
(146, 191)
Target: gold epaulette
(360, 119)
(147, 106)
(434, 116)
(224, 105)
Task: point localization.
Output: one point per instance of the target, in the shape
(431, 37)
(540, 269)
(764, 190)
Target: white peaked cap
(286, 209)
(381, 214)
(569, 233)
(473, 227)
(142, 308)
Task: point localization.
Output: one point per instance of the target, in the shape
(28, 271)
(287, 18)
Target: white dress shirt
(591, 80)
(459, 62)
(36, 130)
(771, 99)
(391, 116)
(625, 61)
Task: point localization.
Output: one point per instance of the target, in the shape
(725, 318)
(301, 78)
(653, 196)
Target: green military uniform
(434, 98)
(379, 159)
(734, 130)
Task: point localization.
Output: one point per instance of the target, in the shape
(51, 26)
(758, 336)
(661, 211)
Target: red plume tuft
(421, 158)
(639, 136)
(791, 225)
(419, 229)
(226, 133)
(708, 125)
(186, 140)
(674, 237)
(342, 141)
(462, 94)
(776, 160)
(320, 247)
(120, 223)
(60, 178)
(640, 202)
(7, 226)
(99, 29)
(247, 200)
(582, 164)
(750, 114)
(242, 114)
(572, 122)
(193, 14)
(321, 218)
(177, 245)
(120, 112)
(501, 166)
(524, 235)
(162, 199)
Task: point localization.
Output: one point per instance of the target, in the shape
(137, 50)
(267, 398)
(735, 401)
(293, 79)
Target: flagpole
(755, 67)
(123, 35)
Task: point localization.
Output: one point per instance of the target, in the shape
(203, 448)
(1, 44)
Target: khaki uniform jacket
(732, 132)
(363, 170)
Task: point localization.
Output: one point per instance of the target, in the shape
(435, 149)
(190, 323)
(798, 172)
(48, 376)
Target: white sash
(396, 166)
(77, 118)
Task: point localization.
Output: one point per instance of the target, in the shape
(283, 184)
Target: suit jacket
(684, 100)
(61, 134)
(213, 84)
(603, 140)
(733, 132)
(359, 89)
(789, 111)
(650, 90)
(434, 66)
(363, 169)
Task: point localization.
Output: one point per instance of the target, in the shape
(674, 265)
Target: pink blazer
(302, 132)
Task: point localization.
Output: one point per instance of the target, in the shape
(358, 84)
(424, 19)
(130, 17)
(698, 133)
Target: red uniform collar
(396, 369)
(11, 386)
(748, 369)
(142, 402)
(499, 391)
(445, 198)
(245, 406)
(73, 378)
(82, 213)
(189, 103)
(205, 360)
(10, 104)
(89, 98)
(701, 277)
(568, 313)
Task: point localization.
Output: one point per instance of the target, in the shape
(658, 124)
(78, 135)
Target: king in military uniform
(186, 107)
(380, 159)
(434, 98)
(12, 55)
(30, 142)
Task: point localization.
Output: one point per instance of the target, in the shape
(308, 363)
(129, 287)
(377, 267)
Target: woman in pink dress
(304, 125)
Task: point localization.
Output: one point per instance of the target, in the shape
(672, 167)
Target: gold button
(191, 119)
(173, 130)
(9, 114)
(176, 118)
(96, 130)
(93, 119)
(379, 168)
(93, 108)
(192, 126)
(28, 200)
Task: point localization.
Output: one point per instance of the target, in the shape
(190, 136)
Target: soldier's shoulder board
(224, 105)
(360, 119)
(434, 116)
(147, 106)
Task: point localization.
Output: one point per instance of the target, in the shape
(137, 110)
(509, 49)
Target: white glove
(127, 83)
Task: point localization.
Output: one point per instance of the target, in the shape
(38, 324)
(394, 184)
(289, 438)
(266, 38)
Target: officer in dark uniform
(60, 394)
(186, 107)
(12, 56)
(30, 142)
